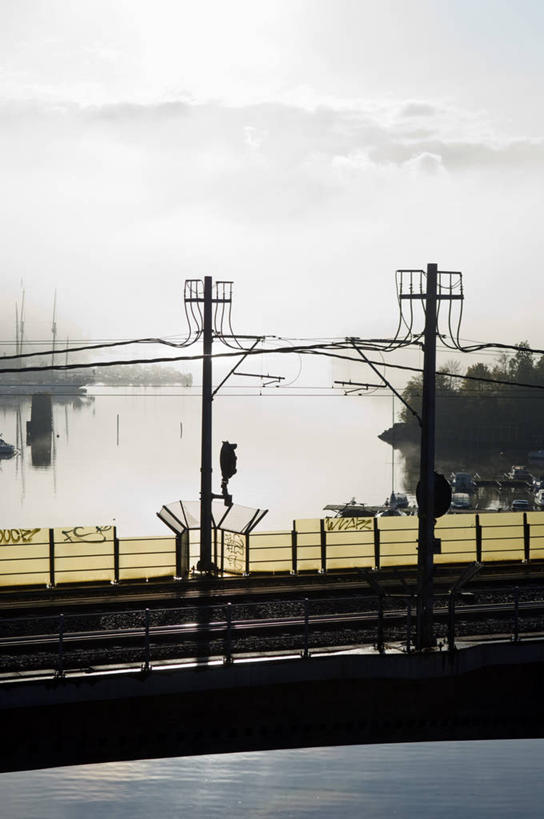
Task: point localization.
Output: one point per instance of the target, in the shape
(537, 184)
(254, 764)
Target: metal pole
(147, 649)
(424, 635)
(393, 447)
(516, 614)
(305, 652)
(409, 625)
(228, 641)
(451, 620)
(380, 640)
(60, 659)
(205, 562)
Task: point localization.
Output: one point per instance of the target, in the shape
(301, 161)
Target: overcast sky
(303, 148)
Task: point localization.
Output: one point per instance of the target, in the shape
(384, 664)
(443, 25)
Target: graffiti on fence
(234, 551)
(88, 534)
(348, 524)
(17, 535)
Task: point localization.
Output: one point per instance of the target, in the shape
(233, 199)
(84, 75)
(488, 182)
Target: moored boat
(6, 450)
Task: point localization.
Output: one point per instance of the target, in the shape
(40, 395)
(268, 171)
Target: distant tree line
(132, 374)
(135, 374)
(485, 414)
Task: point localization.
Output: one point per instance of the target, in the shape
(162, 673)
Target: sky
(304, 149)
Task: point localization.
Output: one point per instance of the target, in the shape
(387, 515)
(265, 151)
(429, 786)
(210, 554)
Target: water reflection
(34, 433)
(488, 465)
(123, 452)
(39, 430)
(424, 780)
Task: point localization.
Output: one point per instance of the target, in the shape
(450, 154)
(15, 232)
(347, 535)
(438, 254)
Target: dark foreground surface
(483, 692)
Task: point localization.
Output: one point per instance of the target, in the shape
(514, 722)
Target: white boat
(460, 500)
(6, 450)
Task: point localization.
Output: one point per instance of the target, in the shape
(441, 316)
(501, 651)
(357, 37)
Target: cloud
(286, 136)
(426, 162)
(414, 108)
(132, 194)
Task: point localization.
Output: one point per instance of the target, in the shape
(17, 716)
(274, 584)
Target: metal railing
(60, 644)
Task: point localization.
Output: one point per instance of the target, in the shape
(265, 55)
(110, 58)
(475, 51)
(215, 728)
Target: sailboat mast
(54, 328)
(393, 449)
(22, 325)
(16, 329)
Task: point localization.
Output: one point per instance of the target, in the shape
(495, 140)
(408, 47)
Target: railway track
(204, 591)
(322, 626)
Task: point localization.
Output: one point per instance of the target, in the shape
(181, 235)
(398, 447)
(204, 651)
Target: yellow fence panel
(84, 554)
(458, 536)
(502, 536)
(25, 571)
(270, 552)
(84, 569)
(345, 556)
(24, 557)
(24, 552)
(536, 522)
(350, 542)
(398, 540)
(194, 548)
(308, 558)
(147, 557)
(308, 544)
(308, 525)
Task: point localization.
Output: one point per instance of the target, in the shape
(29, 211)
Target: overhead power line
(333, 350)
(101, 346)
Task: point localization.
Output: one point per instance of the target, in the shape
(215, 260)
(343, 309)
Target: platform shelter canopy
(181, 516)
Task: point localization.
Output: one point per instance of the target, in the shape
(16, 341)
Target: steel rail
(214, 627)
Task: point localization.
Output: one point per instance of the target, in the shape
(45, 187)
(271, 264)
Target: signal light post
(200, 293)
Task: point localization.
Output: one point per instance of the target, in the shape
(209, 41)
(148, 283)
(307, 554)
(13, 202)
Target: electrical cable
(325, 350)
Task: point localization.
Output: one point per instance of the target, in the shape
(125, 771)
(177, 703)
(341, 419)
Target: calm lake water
(118, 454)
(452, 779)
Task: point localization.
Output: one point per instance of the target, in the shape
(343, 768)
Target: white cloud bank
(308, 209)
